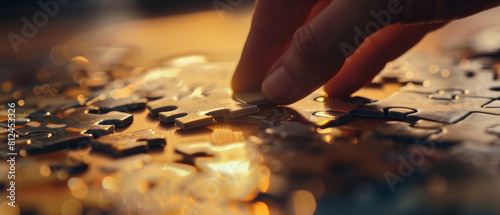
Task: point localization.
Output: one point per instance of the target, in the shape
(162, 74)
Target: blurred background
(35, 31)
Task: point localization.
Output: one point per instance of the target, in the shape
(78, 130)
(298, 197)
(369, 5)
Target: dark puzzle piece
(33, 137)
(127, 104)
(404, 132)
(81, 121)
(476, 129)
(124, 144)
(36, 138)
(189, 114)
(438, 110)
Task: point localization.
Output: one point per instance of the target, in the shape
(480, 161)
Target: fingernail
(278, 86)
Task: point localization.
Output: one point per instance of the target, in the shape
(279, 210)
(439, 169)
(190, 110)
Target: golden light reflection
(264, 174)
(45, 170)
(7, 86)
(260, 208)
(71, 207)
(111, 183)
(59, 54)
(303, 202)
(464, 64)
(445, 73)
(16, 95)
(43, 75)
(23, 152)
(20, 102)
(143, 186)
(433, 69)
(37, 90)
(5, 208)
(62, 174)
(79, 63)
(78, 187)
(188, 60)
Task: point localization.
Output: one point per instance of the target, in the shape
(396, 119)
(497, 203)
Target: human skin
(296, 46)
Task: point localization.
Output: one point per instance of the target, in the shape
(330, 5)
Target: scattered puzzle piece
(124, 144)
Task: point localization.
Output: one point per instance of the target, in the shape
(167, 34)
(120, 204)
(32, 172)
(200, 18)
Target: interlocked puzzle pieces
(476, 129)
(68, 129)
(80, 120)
(439, 110)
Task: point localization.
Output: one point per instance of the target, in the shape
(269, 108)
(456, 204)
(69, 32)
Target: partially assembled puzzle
(174, 139)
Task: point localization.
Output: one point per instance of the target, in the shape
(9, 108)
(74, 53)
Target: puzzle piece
(482, 84)
(124, 144)
(200, 112)
(251, 97)
(445, 111)
(81, 121)
(404, 132)
(33, 137)
(323, 111)
(126, 104)
(267, 117)
(477, 128)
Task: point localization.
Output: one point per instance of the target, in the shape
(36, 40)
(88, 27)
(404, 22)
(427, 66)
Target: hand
(296, 46)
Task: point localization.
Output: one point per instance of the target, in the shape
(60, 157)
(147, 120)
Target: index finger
(273, 25)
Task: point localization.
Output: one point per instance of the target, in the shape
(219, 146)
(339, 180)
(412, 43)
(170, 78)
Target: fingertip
(278, 86)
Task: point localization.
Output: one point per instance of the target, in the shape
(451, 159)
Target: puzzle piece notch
(401, 114)
(125, 144)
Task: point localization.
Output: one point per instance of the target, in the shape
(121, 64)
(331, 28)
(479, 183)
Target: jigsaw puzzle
(95, 147)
